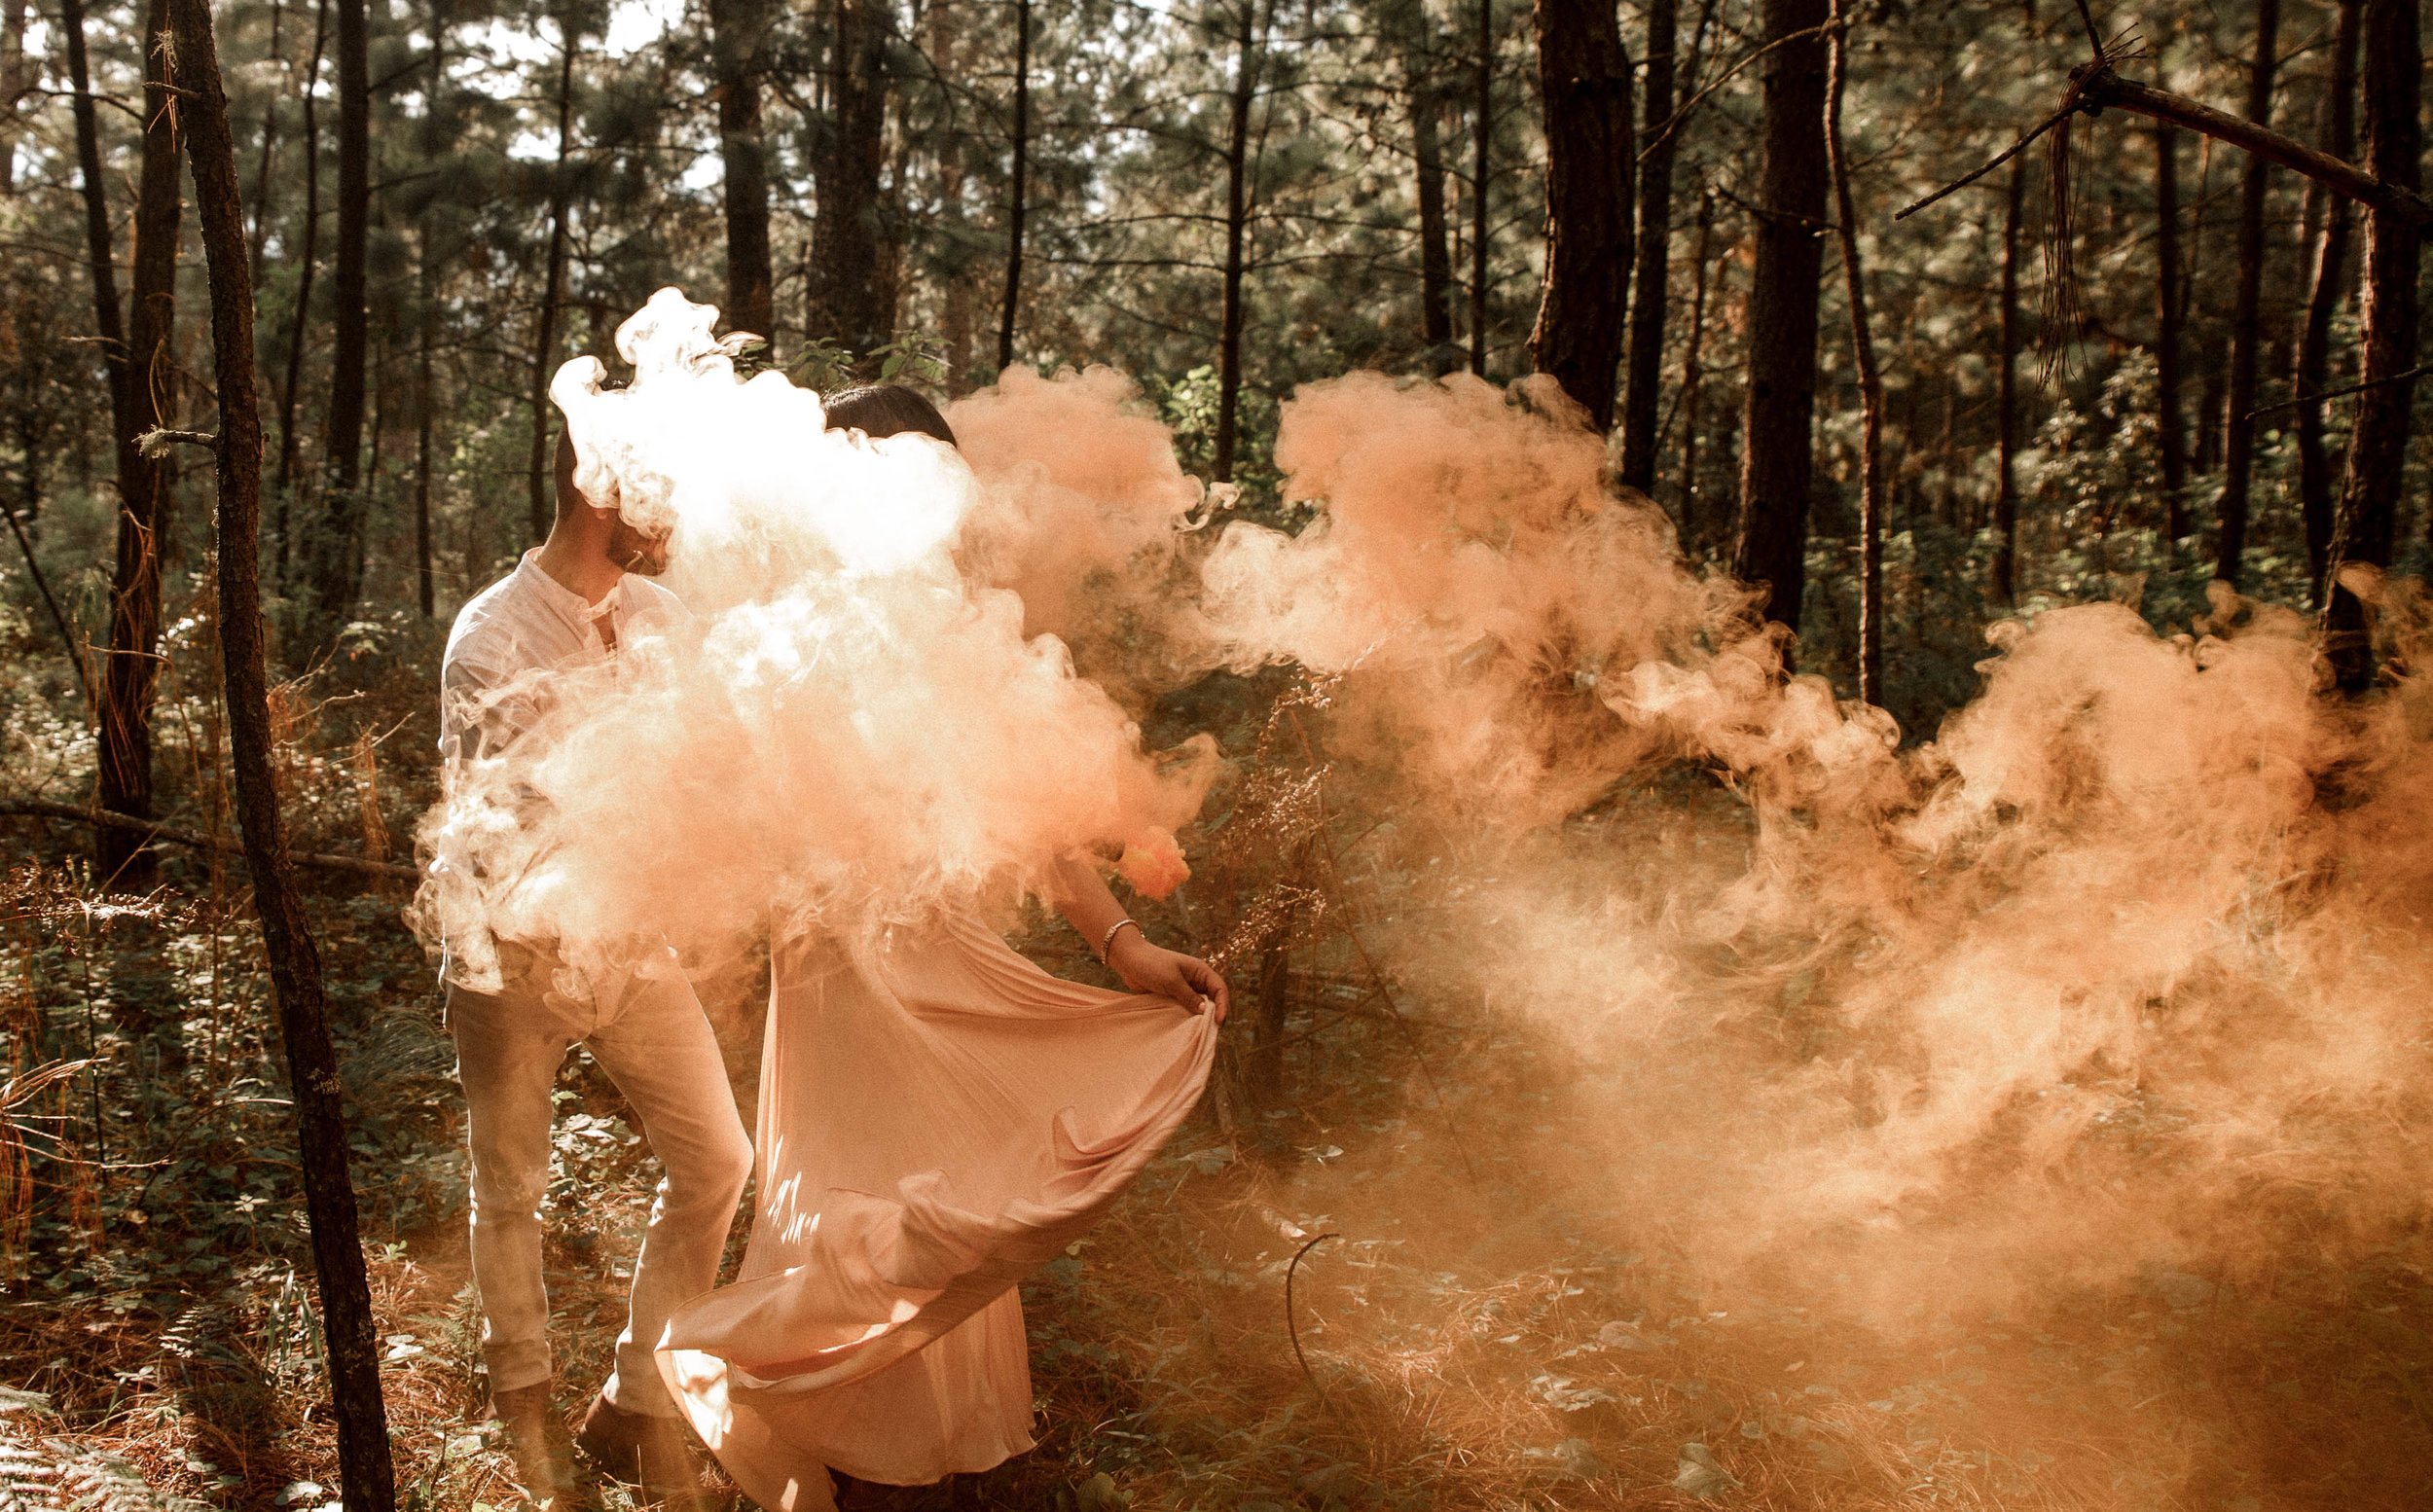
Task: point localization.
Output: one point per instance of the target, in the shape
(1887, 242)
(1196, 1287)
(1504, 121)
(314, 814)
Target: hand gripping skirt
(938, 1118)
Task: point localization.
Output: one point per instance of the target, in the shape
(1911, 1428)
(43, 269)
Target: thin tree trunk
(2003, 572)
(1584, 76)
(2167, 415)
(426, 291)
(290, 445)
(334, 540)
(738, 39)
(2238, 449)
(1695, 529)
(1870, 382)
(2323, 299)
(131, 677)
(1644, 379)
(264, 158)
(100, 258)
(853, 295)
(1776, 457)
(1482, 139)
(541, 502)
(1435, 260)
(13, 86)
(424, 400)
(2377, 440)
(1237, 229)
(367, 1478)
(1018, 190)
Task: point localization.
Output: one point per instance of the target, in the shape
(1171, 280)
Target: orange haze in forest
(2128, 956)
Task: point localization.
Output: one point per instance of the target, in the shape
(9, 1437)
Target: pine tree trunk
(367, 1479)
(263, 158)
(541, 503)
(2003, 574)
(2323, 298)
(1696, 527)
(1247, 60)
(1435, 260)
(101, 261)
(738, 36)
(425, 398)
(2167, 417)
(2239, 429)
(1584, 76)
(131, 677)
(1777, 456)
(332, 576)
(1482, 140)
(290, 445)
(13, 86)
(1870, 382)
(1644, 388)
(1017, 190)
(2377, 441)
(853, 294)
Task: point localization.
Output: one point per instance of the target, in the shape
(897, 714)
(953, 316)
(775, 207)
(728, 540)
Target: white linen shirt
(525, 623)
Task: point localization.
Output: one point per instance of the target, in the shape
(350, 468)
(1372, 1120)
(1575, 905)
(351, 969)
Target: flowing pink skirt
(938, 1118)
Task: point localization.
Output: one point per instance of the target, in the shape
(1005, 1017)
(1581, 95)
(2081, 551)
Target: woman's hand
(1154, 969)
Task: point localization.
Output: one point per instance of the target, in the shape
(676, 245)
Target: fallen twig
(2342, 393)
(1293, 1324)
(45, 809)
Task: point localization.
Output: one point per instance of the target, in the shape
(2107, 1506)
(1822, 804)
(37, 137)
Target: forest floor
(1477, 1328)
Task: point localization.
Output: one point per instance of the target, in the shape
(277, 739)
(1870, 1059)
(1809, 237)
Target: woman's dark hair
(886, 410)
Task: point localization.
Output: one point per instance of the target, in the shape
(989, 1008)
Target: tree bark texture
(334, 565)
(1871, 381)
(2315, 484)
(852, 285)
(367, 1479)
(290, 445)
(13, 87)
(1426, 104)
(1696, 527)
(1017, 188)
(1776, 457)
(2238, 428)
(738, 37)
(100, 258)
(131, 677)
(2377, 440)
(540, 500)
(2005, 568)
(1482, 143)
(1584, 75)
(1247, 57)
(2167, 417)
(264, 156)
(1643, 388)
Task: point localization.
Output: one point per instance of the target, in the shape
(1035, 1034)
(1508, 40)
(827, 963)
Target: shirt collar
(565, 600)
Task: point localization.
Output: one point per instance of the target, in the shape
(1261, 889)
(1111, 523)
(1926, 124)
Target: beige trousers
(654, 1042)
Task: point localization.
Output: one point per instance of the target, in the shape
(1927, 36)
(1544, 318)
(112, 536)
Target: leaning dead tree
(2096, 86)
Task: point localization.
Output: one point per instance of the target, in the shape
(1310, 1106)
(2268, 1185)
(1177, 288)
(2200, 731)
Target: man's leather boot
(544, 1461)
(644, 1451)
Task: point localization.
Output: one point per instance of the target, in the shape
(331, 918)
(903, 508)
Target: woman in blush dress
(938, 1117)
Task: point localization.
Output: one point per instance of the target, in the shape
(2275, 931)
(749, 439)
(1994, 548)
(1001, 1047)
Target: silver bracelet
(1106, 941)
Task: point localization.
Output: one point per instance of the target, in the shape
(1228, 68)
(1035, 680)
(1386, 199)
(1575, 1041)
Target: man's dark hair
(886, 410)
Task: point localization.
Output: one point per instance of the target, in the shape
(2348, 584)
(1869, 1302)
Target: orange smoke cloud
(850, 731)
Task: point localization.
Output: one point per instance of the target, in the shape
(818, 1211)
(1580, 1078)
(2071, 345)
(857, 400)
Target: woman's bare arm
(1081, 895)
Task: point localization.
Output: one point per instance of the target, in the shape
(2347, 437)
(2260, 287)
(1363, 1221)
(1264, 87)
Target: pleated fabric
(938, 1118)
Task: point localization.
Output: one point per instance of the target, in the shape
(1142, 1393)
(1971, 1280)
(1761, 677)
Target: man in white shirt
(575, 601)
